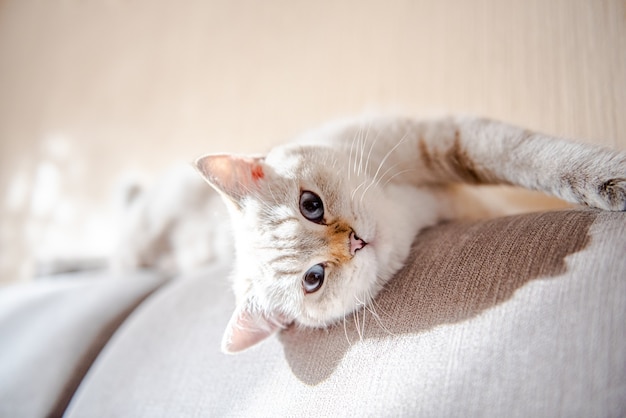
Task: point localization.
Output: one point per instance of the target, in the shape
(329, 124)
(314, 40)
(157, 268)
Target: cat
(175, 226)
(322, 223)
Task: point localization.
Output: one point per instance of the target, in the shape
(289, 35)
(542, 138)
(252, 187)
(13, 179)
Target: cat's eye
(313, 279)
(311, 207)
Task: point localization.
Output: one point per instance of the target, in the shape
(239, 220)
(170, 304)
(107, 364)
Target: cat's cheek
(370, 270)
(328, 306)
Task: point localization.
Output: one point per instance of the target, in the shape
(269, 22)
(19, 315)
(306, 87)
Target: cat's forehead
(312, 168)
(301, 160)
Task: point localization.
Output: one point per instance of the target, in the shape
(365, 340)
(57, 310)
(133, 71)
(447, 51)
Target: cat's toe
(613, 194)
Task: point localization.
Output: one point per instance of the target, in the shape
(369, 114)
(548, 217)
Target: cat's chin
(308, 323)
(328, 321)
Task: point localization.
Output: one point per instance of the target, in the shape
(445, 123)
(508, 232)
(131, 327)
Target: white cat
(174, 226)
(321, 224)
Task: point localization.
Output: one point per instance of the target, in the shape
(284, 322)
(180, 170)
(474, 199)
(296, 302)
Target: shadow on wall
(435, 288)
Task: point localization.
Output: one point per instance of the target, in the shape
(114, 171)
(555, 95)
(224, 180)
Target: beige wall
(92, 90)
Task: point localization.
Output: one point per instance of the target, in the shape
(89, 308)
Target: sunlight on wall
(53, 228)
(17, 193)
(45, 194)
(92, 90)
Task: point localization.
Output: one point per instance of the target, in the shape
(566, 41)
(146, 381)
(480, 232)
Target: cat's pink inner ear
(246, 329)
(236, 176)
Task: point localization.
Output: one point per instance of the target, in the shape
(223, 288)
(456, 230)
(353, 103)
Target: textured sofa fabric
(51, 332)
(519, 316)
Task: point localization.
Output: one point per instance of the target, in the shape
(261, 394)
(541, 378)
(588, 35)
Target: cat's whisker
(362, 306)
(379, 308)
(394, 175)
(357, 189)
(372, 308)
(385, 174)
(366, 168)
(364, 310)
(382, 326)
(375, 315)
(350, 160)
(361, 145)
(364, 192)
(345, 332)
(373, 182)
(361, 171)
(357, 169)
(357, 153)
(376, 179)
(363, 142)
(350, 169)
(369, 154)
(355, 139)
(397, 174)
(388, 154)
(357, 323)
(363, 324)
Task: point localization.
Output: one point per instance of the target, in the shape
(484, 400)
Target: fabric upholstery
(519, 316)
(52, 330)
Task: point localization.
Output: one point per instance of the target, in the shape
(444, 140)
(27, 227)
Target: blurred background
(93, 93)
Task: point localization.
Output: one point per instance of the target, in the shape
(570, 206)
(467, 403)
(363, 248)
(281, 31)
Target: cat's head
(309, 245)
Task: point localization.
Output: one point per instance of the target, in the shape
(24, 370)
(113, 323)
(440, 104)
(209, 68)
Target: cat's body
(175, 226)
(321, 224)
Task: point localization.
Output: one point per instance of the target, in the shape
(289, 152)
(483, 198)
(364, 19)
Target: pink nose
(356, 243)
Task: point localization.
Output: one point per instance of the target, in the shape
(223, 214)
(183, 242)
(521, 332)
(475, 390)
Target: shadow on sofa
(450, 278)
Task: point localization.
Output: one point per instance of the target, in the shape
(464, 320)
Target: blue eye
(313, 279)
(311, 207)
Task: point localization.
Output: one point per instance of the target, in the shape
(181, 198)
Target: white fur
(384, 179)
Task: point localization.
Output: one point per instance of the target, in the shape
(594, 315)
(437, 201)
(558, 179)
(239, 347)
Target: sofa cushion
(51, 330)
(518, 316)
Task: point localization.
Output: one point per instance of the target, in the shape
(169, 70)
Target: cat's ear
(246, 329)
(234, 176)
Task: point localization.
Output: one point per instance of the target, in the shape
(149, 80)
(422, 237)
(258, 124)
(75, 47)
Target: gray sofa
(518, 316)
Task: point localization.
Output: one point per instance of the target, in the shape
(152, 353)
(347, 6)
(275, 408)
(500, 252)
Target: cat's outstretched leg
(576, 172)
(480, 151)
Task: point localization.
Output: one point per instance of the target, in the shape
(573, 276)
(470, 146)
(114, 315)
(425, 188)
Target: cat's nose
(356, 243)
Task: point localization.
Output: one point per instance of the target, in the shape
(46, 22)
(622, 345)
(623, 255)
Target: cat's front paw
(598, 192)
(598, 179)
(612, 194)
